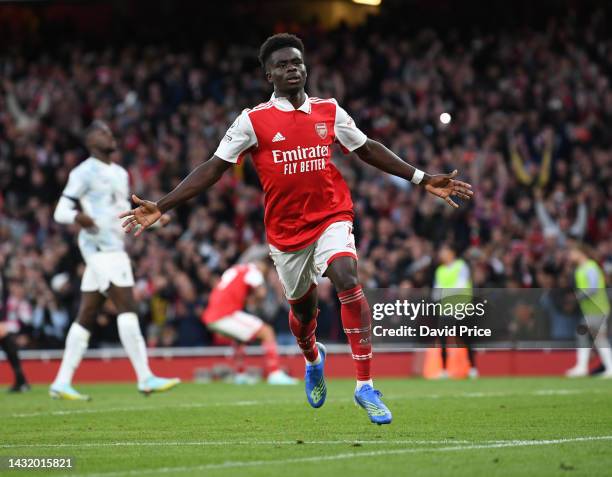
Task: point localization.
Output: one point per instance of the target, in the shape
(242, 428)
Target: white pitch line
(238, 443)
(343, 456)
(68, 412)
(559, 392)
(467, 395)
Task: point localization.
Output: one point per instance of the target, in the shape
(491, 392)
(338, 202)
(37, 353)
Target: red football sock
(271, 356)
(305, 335)
(239, 356)
(355, 313)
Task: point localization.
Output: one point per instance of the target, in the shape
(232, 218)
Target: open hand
(140, 218)
(445, 187)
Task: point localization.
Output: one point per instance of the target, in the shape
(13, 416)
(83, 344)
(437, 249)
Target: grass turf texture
(487, 427)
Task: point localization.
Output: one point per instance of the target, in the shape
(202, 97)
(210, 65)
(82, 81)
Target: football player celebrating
(308, 207)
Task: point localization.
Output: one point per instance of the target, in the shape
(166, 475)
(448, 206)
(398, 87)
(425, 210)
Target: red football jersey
(291, 150)
(230, 294)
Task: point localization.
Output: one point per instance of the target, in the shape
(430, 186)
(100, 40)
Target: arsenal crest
(321, 129)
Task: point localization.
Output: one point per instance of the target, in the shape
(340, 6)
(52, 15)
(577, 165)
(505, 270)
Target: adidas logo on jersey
(278, 137)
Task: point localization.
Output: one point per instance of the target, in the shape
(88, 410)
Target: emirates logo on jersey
(321, 129)
(301, 159)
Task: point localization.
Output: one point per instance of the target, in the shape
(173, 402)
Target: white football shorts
(104, 268)
(239, 325)
(298, 271)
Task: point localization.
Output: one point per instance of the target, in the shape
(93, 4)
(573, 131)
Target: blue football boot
(369, 398)
(316, 390)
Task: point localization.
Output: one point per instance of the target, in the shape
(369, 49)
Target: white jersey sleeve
(77, 184)
(347, 133)
(239, 137)
(66, 211)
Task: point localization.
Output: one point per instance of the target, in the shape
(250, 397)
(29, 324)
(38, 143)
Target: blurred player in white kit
(101, 188)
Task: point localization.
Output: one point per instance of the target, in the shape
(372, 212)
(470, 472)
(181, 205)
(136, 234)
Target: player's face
(286, 70)
(103, 140)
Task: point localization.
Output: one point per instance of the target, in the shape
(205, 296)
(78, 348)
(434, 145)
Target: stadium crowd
(531, 129)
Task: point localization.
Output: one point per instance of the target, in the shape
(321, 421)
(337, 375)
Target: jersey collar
(107, 164)
(284, 105)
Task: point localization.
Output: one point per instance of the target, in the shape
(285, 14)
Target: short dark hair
(277, 42)
(94, 126)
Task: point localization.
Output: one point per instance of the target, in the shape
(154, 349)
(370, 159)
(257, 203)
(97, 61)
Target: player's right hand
(140, 218)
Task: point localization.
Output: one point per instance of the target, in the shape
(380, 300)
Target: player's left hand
(445, 187)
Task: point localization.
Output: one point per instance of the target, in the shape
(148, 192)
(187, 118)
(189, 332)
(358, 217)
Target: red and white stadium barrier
(111, 365)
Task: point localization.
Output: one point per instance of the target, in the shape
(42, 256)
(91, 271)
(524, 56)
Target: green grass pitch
(544, 426)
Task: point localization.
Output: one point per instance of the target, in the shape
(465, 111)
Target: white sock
(77, 341)
(360, 384)
(134, 344)
(605, 353)
(582, 358)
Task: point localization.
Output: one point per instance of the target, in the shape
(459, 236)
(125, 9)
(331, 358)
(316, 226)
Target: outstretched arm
(198, 180)
(147, 213)
(238, 139)
(441, 185)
